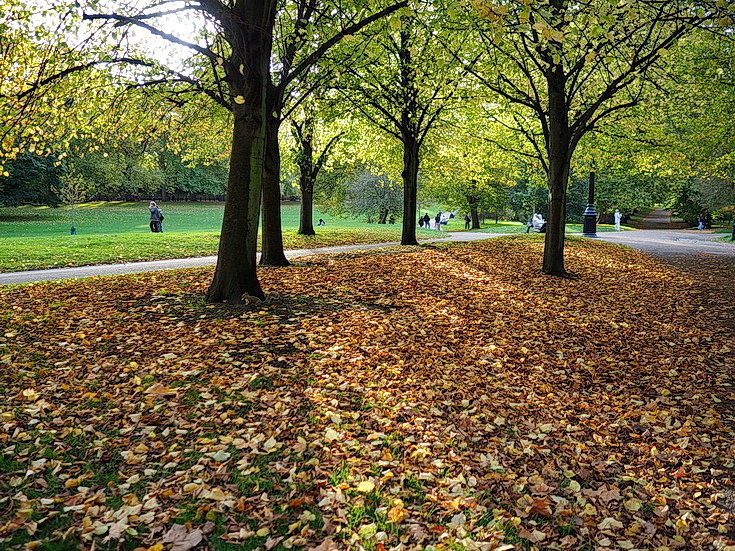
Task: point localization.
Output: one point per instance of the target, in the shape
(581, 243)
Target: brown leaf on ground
(446, 395)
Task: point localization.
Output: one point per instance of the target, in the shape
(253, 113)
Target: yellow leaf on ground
(396, 515)
(365, 486)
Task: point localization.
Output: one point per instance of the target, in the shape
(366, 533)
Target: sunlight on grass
(113, 232)
(37, 238)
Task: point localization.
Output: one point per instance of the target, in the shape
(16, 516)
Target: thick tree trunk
(474, 215)
(410, 185)
(559, 150)
(383, 217)
(306, 222)
(271, 251)
(306, 180)
(247, 71)
(235, 275)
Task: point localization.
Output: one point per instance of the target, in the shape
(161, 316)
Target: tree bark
(235, 274)
(305, 160)
(306, 185)
(383, 218)
(474, 216)
(306, 214)
(271, 251)
(559, 152)
(249, 29)
(410, 185)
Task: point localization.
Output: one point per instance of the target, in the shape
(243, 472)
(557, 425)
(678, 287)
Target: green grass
(725, 233)
(39, 237)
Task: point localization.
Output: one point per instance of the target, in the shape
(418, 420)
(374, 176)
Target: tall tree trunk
(306, 221)
(305, 159)
(271, 251)
(383, 217)
(162, 168)
(235, 274)
(410, 185)
(250, 29)
(474, 215)
(559, 151)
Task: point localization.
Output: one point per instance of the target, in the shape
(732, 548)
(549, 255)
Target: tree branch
(312, 58)
(125, 20)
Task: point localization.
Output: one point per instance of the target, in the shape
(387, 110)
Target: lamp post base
(589, 229)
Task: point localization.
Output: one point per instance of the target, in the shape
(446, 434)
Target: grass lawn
(134, 416)
(36, 238)
(725, 233)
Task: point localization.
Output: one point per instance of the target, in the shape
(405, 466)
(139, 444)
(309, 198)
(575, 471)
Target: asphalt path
(666, 244)
(175, 264)
(673, 244)
(671, 241)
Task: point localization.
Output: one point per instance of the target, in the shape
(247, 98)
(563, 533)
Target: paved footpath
(708, 263)
(670, 244)
(671, 241)
(175, 264)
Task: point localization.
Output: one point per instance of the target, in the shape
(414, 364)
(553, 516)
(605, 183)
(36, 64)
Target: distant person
(467, 221)
(321, 222)
(156, 218)
(700, 223)
(427, 221)
(438, 221)
(618, 217)
(537, 222)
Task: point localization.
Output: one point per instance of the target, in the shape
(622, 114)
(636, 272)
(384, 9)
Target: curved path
(674, 246)
(659, 219)
(174, 264)
(708, 263)
(668, 244)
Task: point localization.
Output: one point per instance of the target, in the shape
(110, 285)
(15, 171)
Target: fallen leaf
(182, 539)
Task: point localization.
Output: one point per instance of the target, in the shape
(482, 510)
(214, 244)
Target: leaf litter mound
(434, 398)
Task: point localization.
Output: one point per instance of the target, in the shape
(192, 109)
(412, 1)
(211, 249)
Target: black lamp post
(590, 214)
(732, 238)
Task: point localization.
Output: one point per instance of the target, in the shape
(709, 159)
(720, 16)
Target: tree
(230, 64)
(696, 111)
(239, 79)
(572, 66)
(310, 163)
(297, 54)
(466, 169)
(32, 179)
(373, 193)
(403, 85)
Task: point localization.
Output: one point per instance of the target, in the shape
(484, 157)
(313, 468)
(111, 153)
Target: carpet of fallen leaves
(443, 397)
